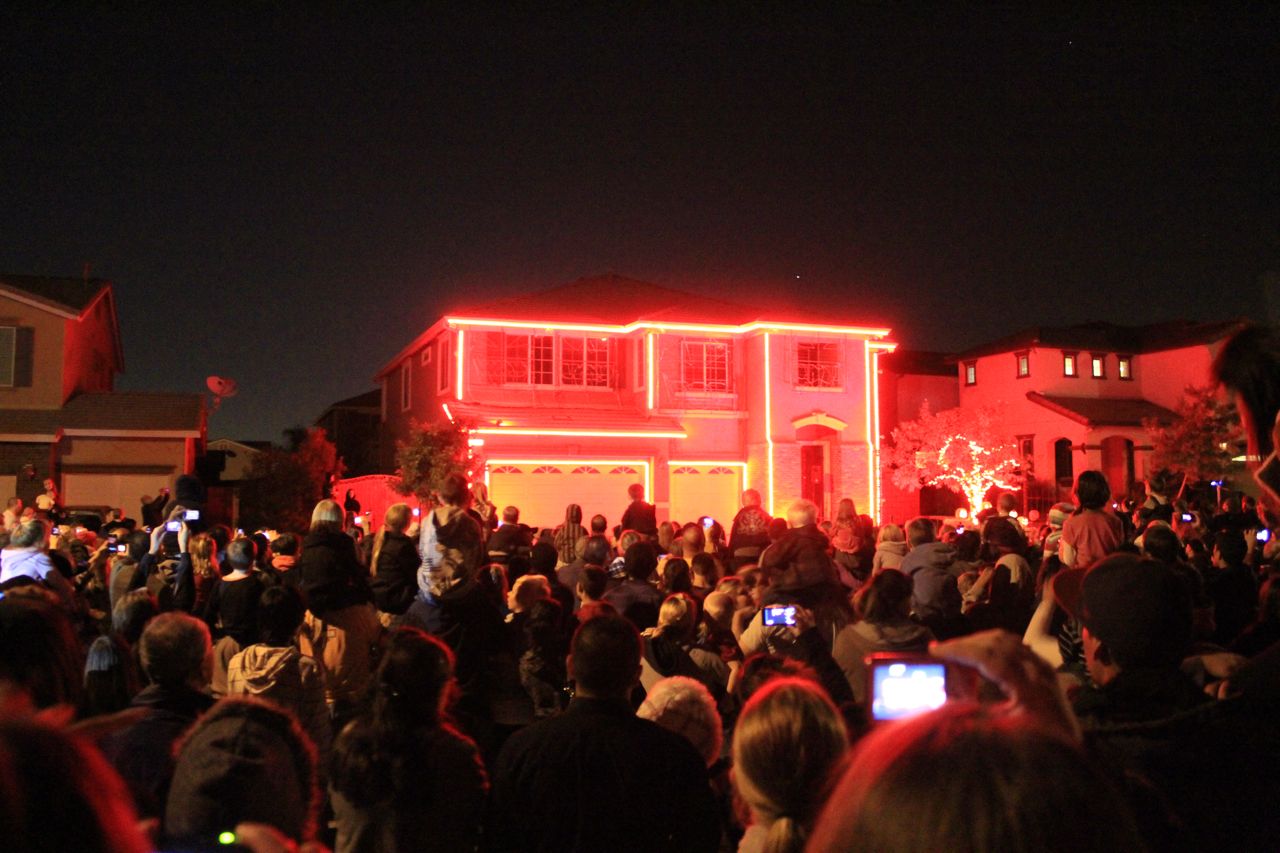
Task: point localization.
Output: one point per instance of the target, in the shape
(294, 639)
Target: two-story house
(60, 416)
(577, 392)
(1076, 397)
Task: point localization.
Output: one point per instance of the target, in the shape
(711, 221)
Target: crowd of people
(458, 681)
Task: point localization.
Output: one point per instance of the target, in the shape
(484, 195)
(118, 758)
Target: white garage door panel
(698, 490)
(543, 491)
(113, 490)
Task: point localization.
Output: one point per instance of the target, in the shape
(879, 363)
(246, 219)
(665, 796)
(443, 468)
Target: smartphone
(901, 686)
(122, 549)
(780, 614)
(55, 531)
(173, 526)
(111, 540)
(707, 523)
(192, 515)
(1187, 517)
(416, 512)
(358, 520)
(1263, 535)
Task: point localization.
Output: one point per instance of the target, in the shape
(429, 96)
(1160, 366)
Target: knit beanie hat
(684, 706)
(1058, 514)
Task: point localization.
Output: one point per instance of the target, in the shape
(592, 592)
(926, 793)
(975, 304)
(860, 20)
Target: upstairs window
(1069, 365)
(705, 366)
(971, 373)
(406, 386)
(1024, 364)
(818, 365)
(8, 355)
(585, 362)
(443, 367)
(1124, 367)
(528, 360)
(1098, 366)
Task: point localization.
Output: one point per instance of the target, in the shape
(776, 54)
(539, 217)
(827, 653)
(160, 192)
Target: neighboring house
(225, 465)
(579, 391)
(1076, 397)
(908, 380)
(60, 416)
(353, 425)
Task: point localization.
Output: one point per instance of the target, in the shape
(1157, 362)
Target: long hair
(847, 513)
(204, 557)
(787, 744)
(569, 533)
(397, 521)
(884, 598)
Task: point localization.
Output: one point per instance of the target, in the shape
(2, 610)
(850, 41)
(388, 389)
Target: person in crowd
(275, 670)
(691, 542)
(639, 516)
(891, 548)
(704, 575)
(671, 649)
(788, 742)
(684, 706)
(570, 537)
(541, 665)
(1264, 631)
(1160, 543)
(486, 510)
(341, 627)
(402, 777)
(510, 538)
(12, 513)
(244, 760)
(798, 569)
(395, 562)
(749, 533)
(110, 678)
(599, 526)
(675, 576)
(1231, 587)
(1051, 533)
(453, 606)
(48, 505)
(284, 557)
(177, 657)
(666, 538)
(551, 789)
(1158, 505)
(883, 610)
(41, 661)
(1093, 531)
(152, 509)
(26, 556)
(636, 597)
(846, 541)
(131, 614)
(592, 586)
(205, 570)
(935, 597)
(232, 609)
(1247, 366)
(524, 592)
(57, 793)
(1003, 592)
(594, 553)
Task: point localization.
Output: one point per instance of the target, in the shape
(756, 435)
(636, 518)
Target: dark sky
(287, 196)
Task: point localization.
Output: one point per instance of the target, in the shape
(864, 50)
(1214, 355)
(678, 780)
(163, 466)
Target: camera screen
(906, 689)
(192, 515)
(122, 549)
(780, 615)
(173, 526)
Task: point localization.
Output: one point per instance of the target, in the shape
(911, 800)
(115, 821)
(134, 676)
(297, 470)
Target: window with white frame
(1070, 365)
(1124, 367)
(8, 355)
(818, 364)
(585, 361)
(1098, 365)
(1024, 364)
(406, 385)
(706, 366)
(971, 373)
(528, 359)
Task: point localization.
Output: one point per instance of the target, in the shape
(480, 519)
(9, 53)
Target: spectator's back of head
(684, 706)
(1092, 490)
(131, 614)
(241, 553)
(640, 560)
(995, 782)
(594, 582)
(920, 532)
(604, 659)
(596, 551)
(1161, 543)
(454, 490)
(29, 534)
(175, 650)
(886, 598)
(281, 610)
(802, 513)
(635, 491)
(599, 525)
(511, 515)
(285, 545)
(327, 517)
(413, 680)
(39, 653)
(1231, 547)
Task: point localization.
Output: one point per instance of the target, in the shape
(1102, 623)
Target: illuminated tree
(432, 452)
(1200, 441)
(284, 483)
(961, 449)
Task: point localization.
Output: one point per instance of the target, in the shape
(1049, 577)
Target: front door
(813, 476)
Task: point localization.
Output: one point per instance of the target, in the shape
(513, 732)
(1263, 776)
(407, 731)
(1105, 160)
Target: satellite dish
(221, 389)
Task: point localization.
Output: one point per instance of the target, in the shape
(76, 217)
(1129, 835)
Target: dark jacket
(467, 620)
(586, 781)
(641, 517)
(935, 598)
(750, 529)
(332, 577)
(637, 600)
(395, 577)
(800, 558)
(143, 753)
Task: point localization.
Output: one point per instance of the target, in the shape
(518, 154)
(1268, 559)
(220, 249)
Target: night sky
(287, 196)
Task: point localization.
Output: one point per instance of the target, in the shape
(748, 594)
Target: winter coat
(889, 555)
(856, 641)
(799, 559)
(395, 577)
(935, 598)
(286, 677)
(331, 574)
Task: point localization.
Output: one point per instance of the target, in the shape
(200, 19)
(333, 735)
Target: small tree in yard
(431, 452)
(1200, 441)
(284, 485)
(961, 449)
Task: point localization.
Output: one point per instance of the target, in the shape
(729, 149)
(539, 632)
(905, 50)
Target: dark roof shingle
(1103, 411)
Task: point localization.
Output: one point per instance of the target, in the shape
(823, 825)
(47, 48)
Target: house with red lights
(576, 392)
(1076, 397)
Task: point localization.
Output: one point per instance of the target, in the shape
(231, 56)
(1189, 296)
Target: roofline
(29, 437)
(236, 443)
(35, 302)
(89, 432)
(1041, 400)
(108, 293)
(413, 346)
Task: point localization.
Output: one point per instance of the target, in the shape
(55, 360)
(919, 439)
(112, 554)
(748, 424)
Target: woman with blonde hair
(891, 548)
(204, 568)
(570, 537)
(342, 627)
(395, 565)
(787, 744)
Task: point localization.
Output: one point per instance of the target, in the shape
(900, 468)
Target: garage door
(698, 490)
(543, 491)
(112, 490)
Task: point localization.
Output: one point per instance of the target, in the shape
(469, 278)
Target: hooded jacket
(31, 562)
(889, 555)
(855, 642)
(395, 577)
(332, 577)
(286, 677)
(935, 597)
